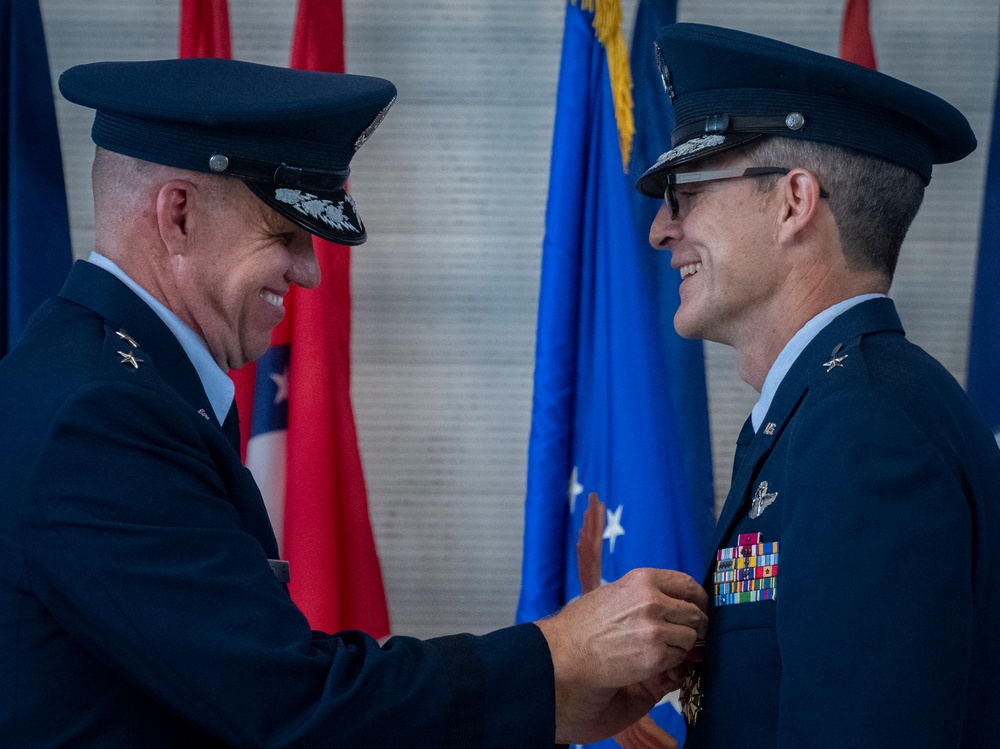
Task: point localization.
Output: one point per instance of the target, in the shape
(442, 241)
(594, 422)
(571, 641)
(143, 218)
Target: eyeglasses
(684, 178)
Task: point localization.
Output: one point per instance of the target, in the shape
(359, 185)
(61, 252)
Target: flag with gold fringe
(603, 415)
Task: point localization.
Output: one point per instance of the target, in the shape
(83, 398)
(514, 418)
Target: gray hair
(873, 201)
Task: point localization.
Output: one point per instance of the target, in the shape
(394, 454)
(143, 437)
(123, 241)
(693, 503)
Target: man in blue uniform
(854, 567)
(141, 599)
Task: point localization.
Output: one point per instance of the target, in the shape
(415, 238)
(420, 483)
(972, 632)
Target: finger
(588, 547)
(679, 585)
(686, 615)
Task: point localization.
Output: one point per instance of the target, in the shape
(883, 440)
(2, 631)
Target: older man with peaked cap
(854, 569)
(141, 599)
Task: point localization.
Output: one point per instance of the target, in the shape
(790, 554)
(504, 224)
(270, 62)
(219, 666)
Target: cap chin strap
(281, 175)
(720, 124)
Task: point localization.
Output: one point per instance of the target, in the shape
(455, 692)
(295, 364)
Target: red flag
(856, 35)
(205, 29)
(296, 418)
(336, 578)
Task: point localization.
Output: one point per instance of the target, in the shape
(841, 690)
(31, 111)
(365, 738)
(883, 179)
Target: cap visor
(653, 180)
(329, 215)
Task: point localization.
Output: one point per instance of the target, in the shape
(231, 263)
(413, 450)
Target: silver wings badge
(761, 500)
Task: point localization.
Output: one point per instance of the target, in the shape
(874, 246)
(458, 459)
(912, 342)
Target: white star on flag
(281, 381)
(575, 490)
(614, 527)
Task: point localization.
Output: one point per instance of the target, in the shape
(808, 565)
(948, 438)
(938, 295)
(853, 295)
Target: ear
(174, 206)
(800, 203)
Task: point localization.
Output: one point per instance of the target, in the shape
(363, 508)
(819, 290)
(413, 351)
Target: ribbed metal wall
(452, 188)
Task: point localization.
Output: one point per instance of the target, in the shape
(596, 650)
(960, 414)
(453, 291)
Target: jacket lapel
(867, 317)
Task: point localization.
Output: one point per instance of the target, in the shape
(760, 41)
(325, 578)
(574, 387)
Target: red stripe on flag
(336, 576)
(856, 36)
(204, 29)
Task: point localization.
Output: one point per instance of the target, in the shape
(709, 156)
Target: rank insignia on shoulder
(746, 572)
(129, 358)
(126, 337)
(835, 362)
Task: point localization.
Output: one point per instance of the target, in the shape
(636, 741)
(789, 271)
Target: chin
(685, 328)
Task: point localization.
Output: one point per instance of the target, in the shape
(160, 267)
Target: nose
(305, 271)
(664, 229)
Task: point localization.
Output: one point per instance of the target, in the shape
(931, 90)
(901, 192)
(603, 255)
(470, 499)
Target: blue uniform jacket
(137, 606)
(864, 524)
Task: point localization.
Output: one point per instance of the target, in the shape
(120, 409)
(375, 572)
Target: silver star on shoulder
(836, 362)
(761, 500)
(129, 358)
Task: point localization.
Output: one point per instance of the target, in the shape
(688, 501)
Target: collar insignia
(835, 362)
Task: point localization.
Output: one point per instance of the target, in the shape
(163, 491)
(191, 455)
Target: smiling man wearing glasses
(854, 565)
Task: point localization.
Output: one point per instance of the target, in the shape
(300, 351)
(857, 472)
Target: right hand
(615, 648)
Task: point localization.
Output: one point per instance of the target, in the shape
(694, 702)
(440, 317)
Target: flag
(35, 250)
(328, 540)
(296, 418)
(856, 35)
(984, 341)
(204, 29)
(603, 414)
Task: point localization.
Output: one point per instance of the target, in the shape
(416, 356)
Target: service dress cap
(288, 134)
(729, 87)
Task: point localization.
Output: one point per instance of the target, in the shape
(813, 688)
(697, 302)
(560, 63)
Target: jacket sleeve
(875, 607)
(135, 548)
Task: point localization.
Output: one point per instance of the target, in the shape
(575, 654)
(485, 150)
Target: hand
(614, 648)
(644, 734)
(588, 547)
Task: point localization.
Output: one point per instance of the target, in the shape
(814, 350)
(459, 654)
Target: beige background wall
(452, 188)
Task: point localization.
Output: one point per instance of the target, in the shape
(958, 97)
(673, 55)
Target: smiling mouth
(689, 270)
(273, 299)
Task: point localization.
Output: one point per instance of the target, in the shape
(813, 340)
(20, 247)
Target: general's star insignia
(761, 500)
(126, 337)
(129, 358)
(836, 362)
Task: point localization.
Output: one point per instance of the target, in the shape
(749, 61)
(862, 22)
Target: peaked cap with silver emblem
(288, 134)
(728, 87)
